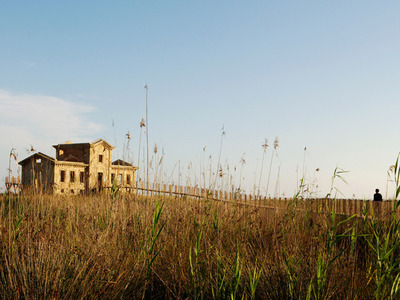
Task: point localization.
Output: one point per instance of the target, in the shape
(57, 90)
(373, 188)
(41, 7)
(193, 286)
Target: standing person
(377, 196)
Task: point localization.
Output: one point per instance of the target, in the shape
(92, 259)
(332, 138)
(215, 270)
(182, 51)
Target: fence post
(344, 206)
(327, 205)
(350, 206)
(336, 203)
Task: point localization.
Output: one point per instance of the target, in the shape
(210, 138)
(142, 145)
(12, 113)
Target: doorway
(100, 180)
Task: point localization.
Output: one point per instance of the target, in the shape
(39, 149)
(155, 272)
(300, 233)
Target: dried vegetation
(151, 247)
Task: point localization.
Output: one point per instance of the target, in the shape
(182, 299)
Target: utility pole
(147, 138)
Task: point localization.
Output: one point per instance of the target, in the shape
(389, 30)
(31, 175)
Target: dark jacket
(377, 197)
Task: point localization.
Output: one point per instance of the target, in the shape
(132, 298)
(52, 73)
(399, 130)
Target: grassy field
(101, 246)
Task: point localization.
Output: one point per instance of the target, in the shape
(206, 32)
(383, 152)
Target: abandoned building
(77, 168)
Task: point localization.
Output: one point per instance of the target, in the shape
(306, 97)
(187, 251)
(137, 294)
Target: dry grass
(100, 247)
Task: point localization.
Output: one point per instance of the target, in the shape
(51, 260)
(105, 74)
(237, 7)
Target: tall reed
(129, 246)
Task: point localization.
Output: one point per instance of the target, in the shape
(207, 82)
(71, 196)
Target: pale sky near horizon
(321, 75)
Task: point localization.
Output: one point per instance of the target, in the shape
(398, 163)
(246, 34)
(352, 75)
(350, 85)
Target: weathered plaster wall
(121, 174)
(96, 166)
(70, 186)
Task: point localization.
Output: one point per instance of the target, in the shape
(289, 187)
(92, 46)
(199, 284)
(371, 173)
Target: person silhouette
(377, 196)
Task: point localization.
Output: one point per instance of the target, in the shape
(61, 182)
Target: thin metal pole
(9, 173)
(147, 137)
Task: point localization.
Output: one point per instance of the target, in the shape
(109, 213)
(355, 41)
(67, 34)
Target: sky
(321, 76)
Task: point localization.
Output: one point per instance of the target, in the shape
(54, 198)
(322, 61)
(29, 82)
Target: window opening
(101, 158)
(120, 179)
(112, 178)
(81, 177)
(72, 176)
(128, 179)
(62, 176)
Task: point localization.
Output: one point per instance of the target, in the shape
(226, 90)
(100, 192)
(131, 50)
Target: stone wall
(70, 178)
(99, 166)
(125, 176)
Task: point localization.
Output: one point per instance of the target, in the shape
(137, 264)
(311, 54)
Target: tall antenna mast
(147, 138)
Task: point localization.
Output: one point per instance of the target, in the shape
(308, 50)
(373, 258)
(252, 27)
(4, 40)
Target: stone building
(77, 168)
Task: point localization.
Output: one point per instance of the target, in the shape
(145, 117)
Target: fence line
(340, 206)
(346, 207)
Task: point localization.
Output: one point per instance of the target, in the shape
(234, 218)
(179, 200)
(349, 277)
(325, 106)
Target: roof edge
(104, 142)
(37, 154)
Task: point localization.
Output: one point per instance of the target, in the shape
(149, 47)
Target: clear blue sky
(321, 75)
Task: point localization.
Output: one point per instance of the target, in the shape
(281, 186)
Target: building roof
(38, 155)
(68, 143)
(102, 141)
(71, 144)
(120, 162)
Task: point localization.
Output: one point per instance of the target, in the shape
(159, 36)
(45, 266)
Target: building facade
(77, 168)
